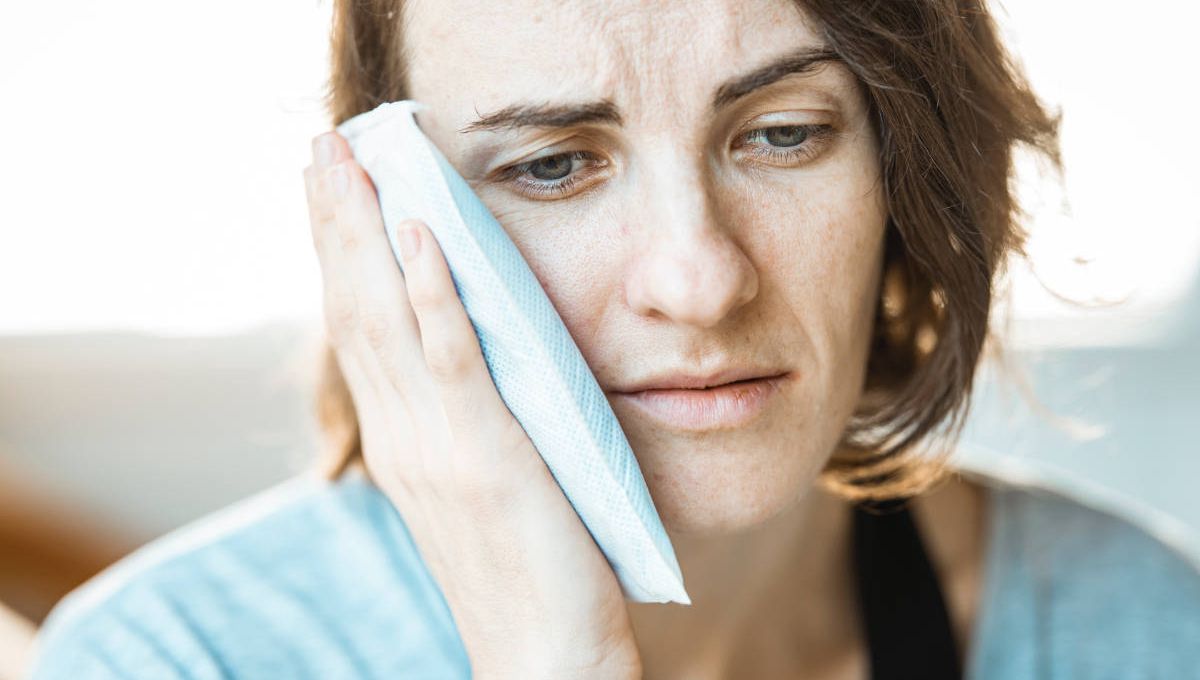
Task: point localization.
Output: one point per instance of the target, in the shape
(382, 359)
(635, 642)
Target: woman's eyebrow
(605, 111)
(801, 61)
(547, 115)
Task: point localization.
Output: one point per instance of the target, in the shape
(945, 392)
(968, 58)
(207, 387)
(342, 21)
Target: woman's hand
(531, 594)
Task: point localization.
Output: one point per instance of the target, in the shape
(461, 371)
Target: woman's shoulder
(1076, 587)
(1084, 538)
(310, 578)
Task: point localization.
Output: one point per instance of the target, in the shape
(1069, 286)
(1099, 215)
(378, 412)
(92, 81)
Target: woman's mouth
(720, 407)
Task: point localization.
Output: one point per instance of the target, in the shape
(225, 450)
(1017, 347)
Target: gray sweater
(321, 580)
(1073, 592)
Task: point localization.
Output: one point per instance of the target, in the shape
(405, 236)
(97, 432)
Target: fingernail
(340, 180)
(323, 150)
(410, 241)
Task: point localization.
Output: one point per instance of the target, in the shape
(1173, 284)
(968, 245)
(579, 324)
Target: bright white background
(153, 157)
(151, 182)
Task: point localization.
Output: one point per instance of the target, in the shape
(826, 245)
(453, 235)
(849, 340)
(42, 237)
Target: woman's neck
(765, 600)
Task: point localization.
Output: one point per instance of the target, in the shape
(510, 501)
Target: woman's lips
(721, 407)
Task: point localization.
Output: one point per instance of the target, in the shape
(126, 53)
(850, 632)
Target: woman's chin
(716, 494)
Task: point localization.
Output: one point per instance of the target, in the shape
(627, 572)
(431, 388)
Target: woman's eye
(553, 176)
(786, 136)
(787, 144)
(551, 168)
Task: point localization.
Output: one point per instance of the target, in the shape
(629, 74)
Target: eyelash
(547, 187)
(815, 138)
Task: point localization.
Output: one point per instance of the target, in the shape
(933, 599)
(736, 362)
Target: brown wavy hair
(949, 106)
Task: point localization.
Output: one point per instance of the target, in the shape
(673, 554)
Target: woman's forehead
(647, 54)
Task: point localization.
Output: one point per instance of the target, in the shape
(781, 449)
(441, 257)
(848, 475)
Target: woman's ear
(894, 291)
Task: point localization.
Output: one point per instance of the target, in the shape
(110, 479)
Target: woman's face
(684, 209)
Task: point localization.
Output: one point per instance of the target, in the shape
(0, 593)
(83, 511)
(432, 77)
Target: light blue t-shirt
(318, 579)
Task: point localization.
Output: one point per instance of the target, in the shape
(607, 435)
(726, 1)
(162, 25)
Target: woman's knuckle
(425, 297)
(422, 300)
(348, 239)
(377, 329)
(446, 362)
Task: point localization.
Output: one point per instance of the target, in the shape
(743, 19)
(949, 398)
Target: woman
(809, 197)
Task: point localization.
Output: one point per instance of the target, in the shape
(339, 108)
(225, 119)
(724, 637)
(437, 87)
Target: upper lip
(685, 380)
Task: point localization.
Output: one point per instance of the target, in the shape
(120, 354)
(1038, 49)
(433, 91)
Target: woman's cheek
(537, 228)
(826, 262)
(574, 252)
(851, 280)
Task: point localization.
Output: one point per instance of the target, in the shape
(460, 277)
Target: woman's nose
(688, 266)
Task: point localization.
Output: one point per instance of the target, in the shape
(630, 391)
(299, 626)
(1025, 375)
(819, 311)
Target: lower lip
(715, 408)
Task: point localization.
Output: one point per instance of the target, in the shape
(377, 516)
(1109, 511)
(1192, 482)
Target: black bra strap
(901, 607)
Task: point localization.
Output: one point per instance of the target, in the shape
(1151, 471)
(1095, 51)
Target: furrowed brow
(548, 116)
(802, 61)
(605, 112)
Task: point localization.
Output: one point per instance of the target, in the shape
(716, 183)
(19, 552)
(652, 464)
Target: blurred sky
(154, 153)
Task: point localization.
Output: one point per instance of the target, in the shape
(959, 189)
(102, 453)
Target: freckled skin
(682, 253)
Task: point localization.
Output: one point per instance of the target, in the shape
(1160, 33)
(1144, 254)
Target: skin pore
(688, 207)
